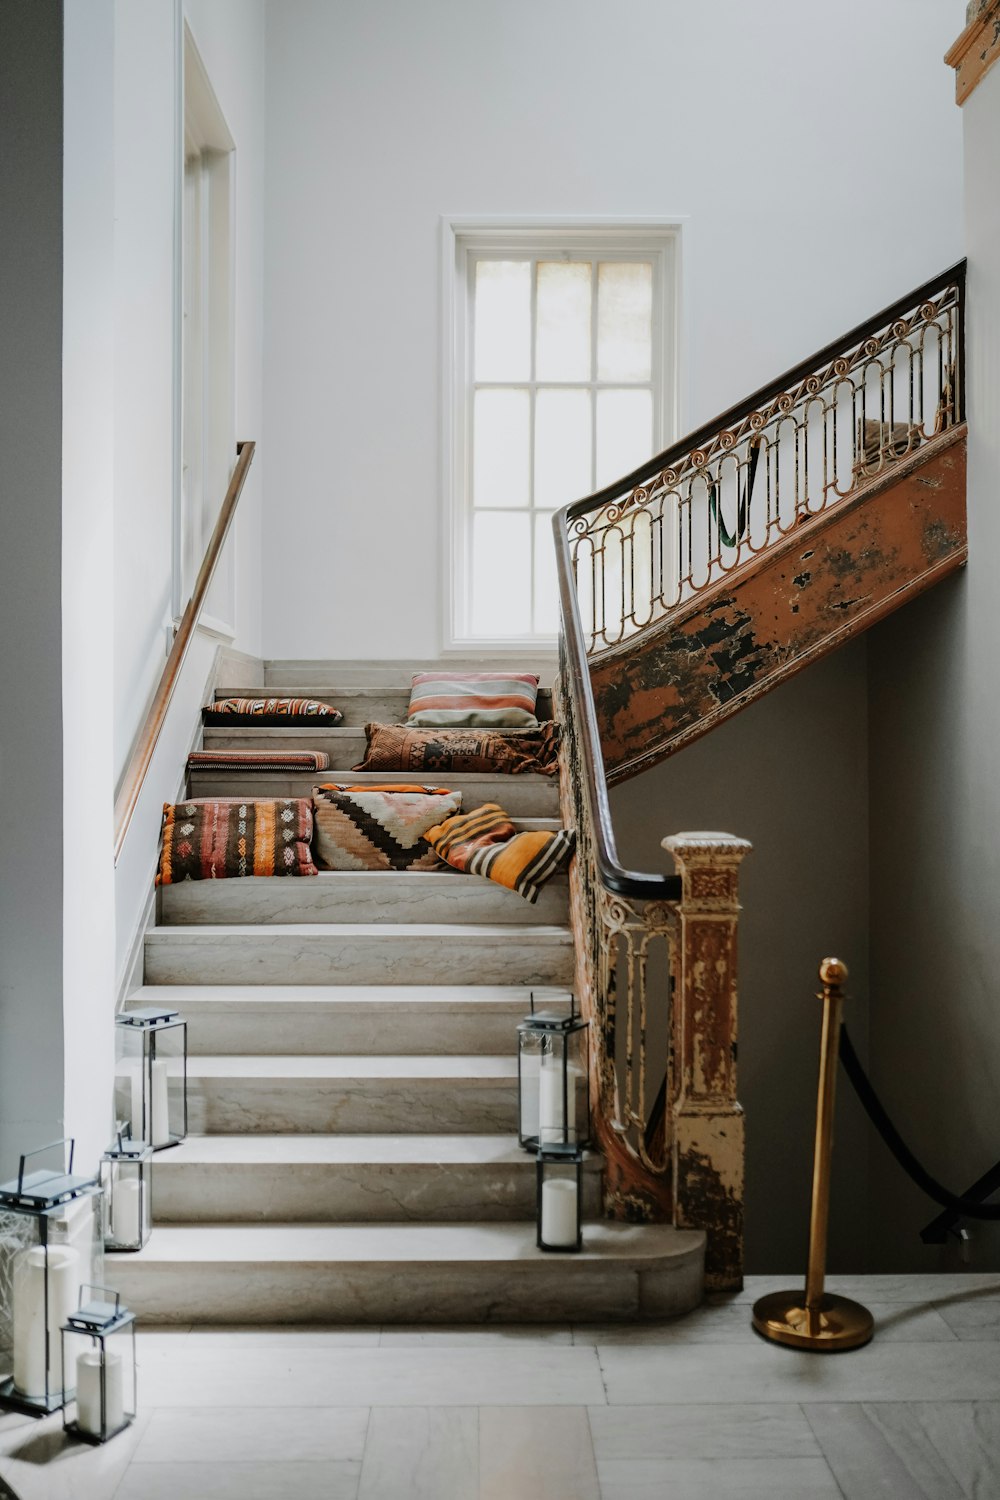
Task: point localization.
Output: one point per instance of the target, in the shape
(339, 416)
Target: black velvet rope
(969, 1208)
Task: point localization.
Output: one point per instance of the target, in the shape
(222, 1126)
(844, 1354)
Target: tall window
(564, 360)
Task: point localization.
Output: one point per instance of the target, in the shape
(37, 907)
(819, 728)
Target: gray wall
(31, 1064)
(790, 774)
(935, 814)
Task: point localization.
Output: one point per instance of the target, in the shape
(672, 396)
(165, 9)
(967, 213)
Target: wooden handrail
(135, 771)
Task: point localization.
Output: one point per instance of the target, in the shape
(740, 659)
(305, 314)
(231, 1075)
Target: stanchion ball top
(832, 971)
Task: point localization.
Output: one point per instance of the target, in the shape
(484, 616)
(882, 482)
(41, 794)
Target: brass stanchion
(817, 1319)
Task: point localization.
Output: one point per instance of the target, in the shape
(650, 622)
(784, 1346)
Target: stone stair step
(385, 1273)
(362, 953)
(287, 675)
(372, 704)
(292, 1094)
(527, 796)
(351, 1178)
(316, 1019)
(375, 896)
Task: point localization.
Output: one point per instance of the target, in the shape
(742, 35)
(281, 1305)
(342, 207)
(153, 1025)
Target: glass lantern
(99, 1351)
(560, 1196)
(127, 1180)
(151, 1076)
(553, 1083)
(53, 1225)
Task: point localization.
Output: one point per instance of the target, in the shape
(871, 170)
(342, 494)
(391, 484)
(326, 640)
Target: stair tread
(366, 1065)
(469, 1243)
(348, 1150)
(438, 930)
(402, 995)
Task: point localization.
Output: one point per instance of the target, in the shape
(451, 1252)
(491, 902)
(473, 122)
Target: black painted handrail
(614, 877)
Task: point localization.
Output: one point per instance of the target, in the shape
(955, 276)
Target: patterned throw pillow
(484, 842)
(269, 711)
(217, 840)
(472, 699)
(393, 747)
(378, 827)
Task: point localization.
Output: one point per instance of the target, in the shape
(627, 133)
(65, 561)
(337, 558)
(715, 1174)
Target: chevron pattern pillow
(378, 827)
(485, 842)
(476, 699)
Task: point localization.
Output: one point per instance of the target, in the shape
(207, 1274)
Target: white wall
(815, 154)
(935, 714)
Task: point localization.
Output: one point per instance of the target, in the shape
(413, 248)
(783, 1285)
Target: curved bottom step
(386, 1273)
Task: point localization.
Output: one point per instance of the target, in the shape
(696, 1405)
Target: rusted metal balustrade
(656, 953)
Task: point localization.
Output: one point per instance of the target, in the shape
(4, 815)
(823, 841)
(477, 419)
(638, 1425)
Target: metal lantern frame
(42, 1196)
(128, 1159)
(100, 1321)
(553, 1033)
(559, 1160)
(150, 1023)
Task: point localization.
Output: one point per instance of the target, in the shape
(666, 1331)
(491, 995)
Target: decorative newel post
(707, 1120)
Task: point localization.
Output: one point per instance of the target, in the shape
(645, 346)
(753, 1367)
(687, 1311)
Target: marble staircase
(352, 1154)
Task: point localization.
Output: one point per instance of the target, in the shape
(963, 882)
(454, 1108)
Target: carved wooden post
(706, 1117)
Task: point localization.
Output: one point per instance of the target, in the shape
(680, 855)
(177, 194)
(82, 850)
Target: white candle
(529, 1093)
(125, 1204)
(559, 1211)
(553, 1122)
(88, 1392)
(29, 1315)
(156, 1113)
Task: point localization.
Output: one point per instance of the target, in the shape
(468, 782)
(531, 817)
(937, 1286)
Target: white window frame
(463, 241)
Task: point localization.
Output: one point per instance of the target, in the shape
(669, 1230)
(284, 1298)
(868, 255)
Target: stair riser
(373, 1192)
(327, 957)
(361, 706)
(521, 796)
(375, 896)
(546, 1289)
(282, 1106)
(419, 1030)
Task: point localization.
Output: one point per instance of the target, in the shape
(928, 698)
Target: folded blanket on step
(396, 747)
(258, 760)
(485, 842)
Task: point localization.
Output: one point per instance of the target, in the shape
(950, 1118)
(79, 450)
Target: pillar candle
(88, 1392)
(29, 1315)
(156, 1115)
(559, 1211)
(126, 1227)
(529, 1093)
(553, 1125)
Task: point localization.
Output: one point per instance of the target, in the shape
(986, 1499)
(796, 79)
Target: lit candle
(559, 1211)
(88, 1392)
(125, 1205)
(29, 1315)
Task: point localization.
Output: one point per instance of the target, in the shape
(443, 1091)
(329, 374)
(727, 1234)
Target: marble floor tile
(768, 1372)
(459, 1335)
(709, 1431)
(40, 1462)
(719, 1479)
(421, 1452)
(235, 1337)
(229, 1434)
(730, 1323)
(243, 1481)
(504, 1376)
(975, 1319)
(536, 1453)
(946, 1450)
(925, 1287)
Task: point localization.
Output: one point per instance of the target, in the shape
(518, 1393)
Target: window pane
(562, 345)
(562, 447)
(503, 319)
(624, 433)
(546, 587)
(500, 448)
(624, 320)
(501, 574)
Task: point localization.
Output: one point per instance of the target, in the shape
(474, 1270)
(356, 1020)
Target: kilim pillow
(484, 842)
(378, 828)
(258, 760)
(472, 699)
(206, 840)
(268, 711)
(394, 747)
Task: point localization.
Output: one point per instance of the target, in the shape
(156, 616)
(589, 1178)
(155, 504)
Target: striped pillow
(484, 842)
(257, 711)
(215, 840)
(472, 699)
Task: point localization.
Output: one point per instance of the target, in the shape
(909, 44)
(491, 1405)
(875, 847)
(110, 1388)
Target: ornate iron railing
(713, 502)
(656, 953)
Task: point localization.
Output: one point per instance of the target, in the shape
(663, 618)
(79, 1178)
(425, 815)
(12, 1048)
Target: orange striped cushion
(472, 699)
(484, 842)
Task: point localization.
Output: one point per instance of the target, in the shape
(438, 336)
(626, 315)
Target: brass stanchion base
(835, 1322)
